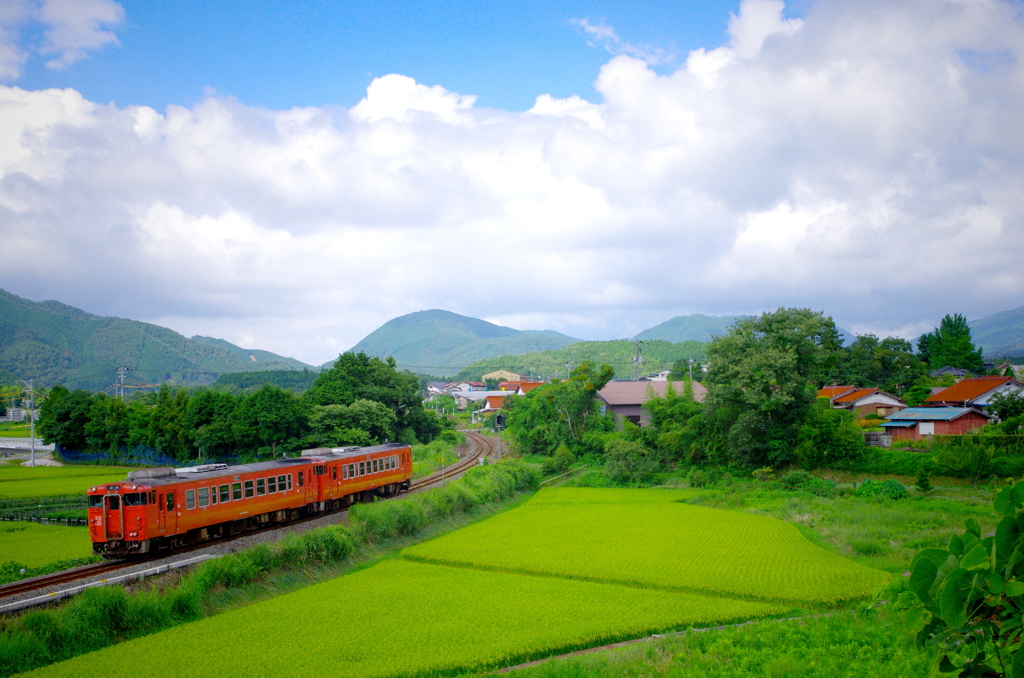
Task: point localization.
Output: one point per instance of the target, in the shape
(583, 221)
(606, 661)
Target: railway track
(480, 446)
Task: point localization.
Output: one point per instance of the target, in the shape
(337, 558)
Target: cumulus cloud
(865, 160)
(71, 29)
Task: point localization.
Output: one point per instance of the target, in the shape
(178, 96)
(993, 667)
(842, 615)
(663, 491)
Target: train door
(113, 517)
(161, 513)
(171, 504)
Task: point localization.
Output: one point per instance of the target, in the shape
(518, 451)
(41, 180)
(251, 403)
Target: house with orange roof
(831, 392)
(520, 387)
(865, 401)
(977, 392)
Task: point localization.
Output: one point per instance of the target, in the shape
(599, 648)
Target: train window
(261, 486)
(289, 477)
(190, 499)
(271, 484)
(302, 478)
(225, 494)
(95, 501)
(319, 470)
(344, 471)
(213, 494)
(236, 491)
(282, 483)
(204, 496)
(170, 501)
(133, 499)
(152, 496)
(113, 502)
(351, 470)
(334, 473)
(362, 468)
(249, 490)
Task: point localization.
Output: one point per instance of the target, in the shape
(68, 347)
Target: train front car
(120, 518)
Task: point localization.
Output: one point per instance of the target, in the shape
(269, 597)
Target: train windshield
(95, 501)
(135, 499)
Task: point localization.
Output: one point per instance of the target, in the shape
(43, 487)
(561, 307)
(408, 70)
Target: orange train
(165, 508)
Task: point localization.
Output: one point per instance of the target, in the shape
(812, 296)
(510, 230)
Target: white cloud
(601, 34)
(71, 29)
(864, 161)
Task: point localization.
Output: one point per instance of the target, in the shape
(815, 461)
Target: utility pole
(638, 361)
(32, 416)
(121, 371)
(568, 368)
(691, 369)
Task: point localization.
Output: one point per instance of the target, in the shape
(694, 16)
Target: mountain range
(54, 343)
(59, 344)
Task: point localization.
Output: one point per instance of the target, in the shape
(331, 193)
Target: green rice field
(19, 482)
(648, 538)
(33, 545)
(569, 569)
(402, 618)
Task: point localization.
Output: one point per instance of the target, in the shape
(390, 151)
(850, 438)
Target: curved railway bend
(98, 573)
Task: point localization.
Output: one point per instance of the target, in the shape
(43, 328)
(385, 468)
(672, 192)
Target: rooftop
(967, 389)
(636, 392)
(933, 414)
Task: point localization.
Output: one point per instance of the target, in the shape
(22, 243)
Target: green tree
(267, 418)
(916, 395)
(761, 381)
(889, 364)
(676, 417)
(950, 345)
(356, 376)
(828, 435)
(63, 417)
(207, 423)
(364, 422)
(1009, 407)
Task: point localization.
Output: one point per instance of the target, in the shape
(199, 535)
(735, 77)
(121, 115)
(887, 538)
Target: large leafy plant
(967, 599)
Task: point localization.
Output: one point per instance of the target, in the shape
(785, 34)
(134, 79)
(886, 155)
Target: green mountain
(1000, 334)
(442, 343)
(695, 327)
(58, 344)
(700, 327)
(657, 355)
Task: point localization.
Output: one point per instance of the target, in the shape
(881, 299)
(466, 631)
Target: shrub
(890, 489)
(763, 475)
(702, 477)
(630, 462)
(560, 462)
(804, 481)
(923, 484)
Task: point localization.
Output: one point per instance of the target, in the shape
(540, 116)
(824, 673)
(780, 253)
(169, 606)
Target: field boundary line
(655, 636)
(633, 584)
(564, 474)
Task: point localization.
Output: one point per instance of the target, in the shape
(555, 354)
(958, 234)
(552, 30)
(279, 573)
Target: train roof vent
(202, 468)
(337, 451)
(143, 473)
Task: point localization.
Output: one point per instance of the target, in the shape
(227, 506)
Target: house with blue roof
(915, 423)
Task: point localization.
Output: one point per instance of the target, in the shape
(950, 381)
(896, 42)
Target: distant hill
(695, 327)
(700, 327)
(1000, 334)
(657, 355)
(296, 381)
(54, 343)
(441, 342)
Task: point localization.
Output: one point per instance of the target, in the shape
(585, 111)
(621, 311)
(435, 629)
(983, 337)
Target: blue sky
(299, 53)
(292, 176)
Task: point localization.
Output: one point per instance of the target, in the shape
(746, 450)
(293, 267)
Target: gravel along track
(479, 446)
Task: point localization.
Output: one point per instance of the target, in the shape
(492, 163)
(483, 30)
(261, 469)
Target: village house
(862, 401)
(503, 375)
(520, 387)
(977, 392)
(625, 399)
(915, 423)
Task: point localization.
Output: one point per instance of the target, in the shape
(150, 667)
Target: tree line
(761, 408)
(361, 400)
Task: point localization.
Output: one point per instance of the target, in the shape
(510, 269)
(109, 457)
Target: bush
(890, 489)
(702, 477)
(763, 475)
(628, 462)
(805, 482)
(560, 462)
(923, 484)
